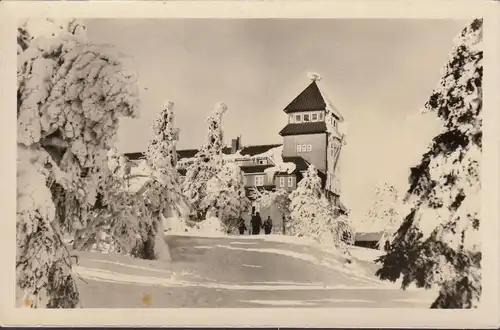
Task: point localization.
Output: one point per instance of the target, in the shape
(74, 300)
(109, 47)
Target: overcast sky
(378, 73)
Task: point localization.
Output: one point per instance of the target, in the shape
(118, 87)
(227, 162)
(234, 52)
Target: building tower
(313, 133)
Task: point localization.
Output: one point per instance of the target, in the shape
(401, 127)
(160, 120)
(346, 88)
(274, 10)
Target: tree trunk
(283, 224)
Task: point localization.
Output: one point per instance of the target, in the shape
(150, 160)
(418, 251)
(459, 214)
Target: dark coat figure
(242, 227)
(256, 224)
(268, 225)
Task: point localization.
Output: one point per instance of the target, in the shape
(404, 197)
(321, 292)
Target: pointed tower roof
(312, 98)
(309, 100)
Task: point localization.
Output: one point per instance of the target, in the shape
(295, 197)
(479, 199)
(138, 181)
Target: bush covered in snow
(385, 214)
(439, 242)
(312, 214)
(70, 95)
(138, 199)
(226, 196)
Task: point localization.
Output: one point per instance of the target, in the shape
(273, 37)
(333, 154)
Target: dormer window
(306, 117)
(298, 118)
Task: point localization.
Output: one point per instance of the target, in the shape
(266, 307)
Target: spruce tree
(163, 190)
(226, 196)
(207, 163)
(438, 243)
(312, 214)
(70, 95)
(385, 213)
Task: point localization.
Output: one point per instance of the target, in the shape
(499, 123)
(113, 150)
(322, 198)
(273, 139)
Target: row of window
(307, 117)
(259, 181)
(311, 117)
(290, 182)
(304, 148)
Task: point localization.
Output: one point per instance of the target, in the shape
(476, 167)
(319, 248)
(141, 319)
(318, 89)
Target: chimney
(234, 145)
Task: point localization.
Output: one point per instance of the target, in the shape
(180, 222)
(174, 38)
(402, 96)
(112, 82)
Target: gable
(310, 99)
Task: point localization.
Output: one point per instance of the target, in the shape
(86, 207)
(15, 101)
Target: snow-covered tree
(438, 244)
(163, 191)
(115, 218)
(312, 214)
(225, 196)
(207, 164)
(70, 95)
(161, 152)
(384, 215)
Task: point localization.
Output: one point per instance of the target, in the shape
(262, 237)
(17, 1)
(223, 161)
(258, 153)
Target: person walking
(242, 227)
(268, 225)
(256, 224)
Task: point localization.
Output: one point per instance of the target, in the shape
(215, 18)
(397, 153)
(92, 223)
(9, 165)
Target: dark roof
(255, 168)
(374, 237)
(182, 171)
(309, 100)
(304, 128)
(248, 150)
(300, 163)
(187, 153)
(135, 155)
(258, 149)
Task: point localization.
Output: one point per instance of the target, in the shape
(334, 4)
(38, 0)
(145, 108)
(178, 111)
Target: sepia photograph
(204, 163)
(244, 167)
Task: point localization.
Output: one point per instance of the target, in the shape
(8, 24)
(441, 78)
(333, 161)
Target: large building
(308, 138)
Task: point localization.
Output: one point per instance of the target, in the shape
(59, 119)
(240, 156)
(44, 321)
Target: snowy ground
(239, 271)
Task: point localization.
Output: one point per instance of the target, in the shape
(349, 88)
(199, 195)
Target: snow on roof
(275, 154)
(329, 104)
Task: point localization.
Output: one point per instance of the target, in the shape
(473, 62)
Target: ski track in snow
(285, 283)
(151, 269)
(343, 300)
(333, 264)
(253, 266)
(279, 302)
(114, 277)
(424, 301)
(243, 243)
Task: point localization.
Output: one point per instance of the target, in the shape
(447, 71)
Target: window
(298, 118)
(290, 181)
(299, 148)
(309, 148)
(304, 148)
(259, 180)
(306, 117)
(321, 116)
(314, 117)
(282, 181)
(334, 123)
